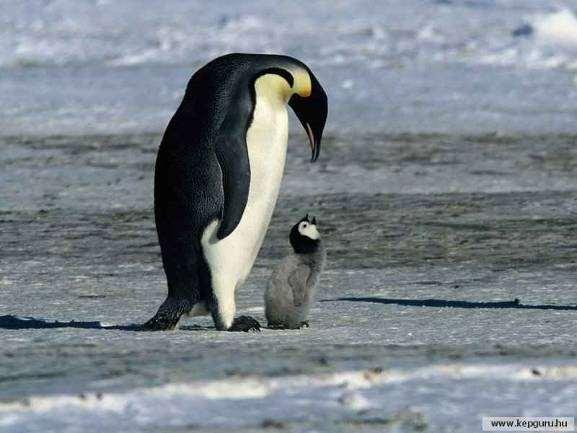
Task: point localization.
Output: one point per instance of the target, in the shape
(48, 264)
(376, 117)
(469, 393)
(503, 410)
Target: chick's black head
(304, 236)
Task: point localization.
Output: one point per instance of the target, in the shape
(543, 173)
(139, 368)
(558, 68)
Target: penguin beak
(312, 113)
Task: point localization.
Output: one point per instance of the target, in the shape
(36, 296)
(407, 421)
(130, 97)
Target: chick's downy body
(292, 286)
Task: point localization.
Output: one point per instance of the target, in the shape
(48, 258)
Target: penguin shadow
(444, 303)
(11, 322)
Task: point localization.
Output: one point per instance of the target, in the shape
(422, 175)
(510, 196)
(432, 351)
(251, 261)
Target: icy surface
(88, 66)
(449, 292)
(445, 192)
(374, 400)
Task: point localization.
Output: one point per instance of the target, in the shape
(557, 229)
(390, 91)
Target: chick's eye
(305, 225)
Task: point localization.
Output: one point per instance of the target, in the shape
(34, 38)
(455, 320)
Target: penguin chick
(290, 293)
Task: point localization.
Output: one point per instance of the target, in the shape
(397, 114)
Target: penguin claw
(161, 323)
(167, 316)
(244, 324)
(274, 325)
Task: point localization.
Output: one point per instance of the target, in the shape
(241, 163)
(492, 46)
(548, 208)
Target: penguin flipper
(232, 154)
(297, 281)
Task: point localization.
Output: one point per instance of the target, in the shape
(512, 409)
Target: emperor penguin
(217, 176)
(290, 293)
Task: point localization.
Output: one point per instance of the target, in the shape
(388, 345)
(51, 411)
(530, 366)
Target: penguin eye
(305, 225)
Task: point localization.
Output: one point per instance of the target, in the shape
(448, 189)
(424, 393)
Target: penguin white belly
(231, 259)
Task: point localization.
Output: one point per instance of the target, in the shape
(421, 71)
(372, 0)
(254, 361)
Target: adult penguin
(217, 177)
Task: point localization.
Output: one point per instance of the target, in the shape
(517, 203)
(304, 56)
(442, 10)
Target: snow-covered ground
(446, 193)
(371, 400)
(449, 292)
(86, 66)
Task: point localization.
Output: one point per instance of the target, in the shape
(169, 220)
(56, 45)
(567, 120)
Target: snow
(449, 281)
(249, 402)
(78, 67)
(557, 29)
(445, 192)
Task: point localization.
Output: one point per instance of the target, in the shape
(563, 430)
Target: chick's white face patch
(309, 230)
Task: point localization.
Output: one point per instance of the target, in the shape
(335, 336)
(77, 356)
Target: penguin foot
(167, 316)
(275, 325)
(244, 324)
(160, 323)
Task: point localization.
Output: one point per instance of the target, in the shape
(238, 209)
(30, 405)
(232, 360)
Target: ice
(445, 191)
(557, 29)
(360, 397)
(78, 67)
(545, 41)
(449, 281)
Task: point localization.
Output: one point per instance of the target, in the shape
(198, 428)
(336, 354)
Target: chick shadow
(11, 322)
(444, 303)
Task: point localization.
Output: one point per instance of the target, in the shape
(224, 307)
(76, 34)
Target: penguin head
(304, 236)
(311, 107)
(298, 86)
(283, 77)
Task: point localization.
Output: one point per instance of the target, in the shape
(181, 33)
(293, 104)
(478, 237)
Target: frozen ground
(468, 66)
(449, 292)
(446, 191)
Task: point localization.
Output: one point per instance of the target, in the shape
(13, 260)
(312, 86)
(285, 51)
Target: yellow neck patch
(273, 86)
(302, 85)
